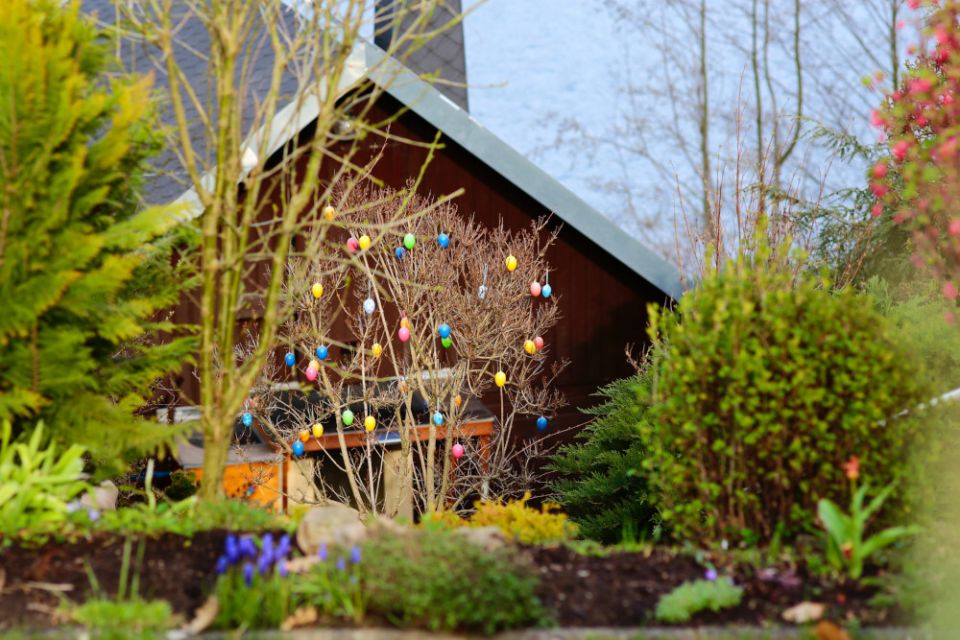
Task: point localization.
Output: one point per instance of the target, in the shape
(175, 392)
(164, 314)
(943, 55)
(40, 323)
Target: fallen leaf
(300, 618)
(804, 612)
(826, 630)
(204, 616)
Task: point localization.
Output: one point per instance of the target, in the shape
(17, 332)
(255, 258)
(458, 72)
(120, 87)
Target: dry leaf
(301, 565)
(204, 616)
(300, 618)
(804, 612)
(826, 630)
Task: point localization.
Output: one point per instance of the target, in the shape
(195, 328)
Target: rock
(826, 630)
(488, 538)
(332, 524)
(103, 498)
(804, 612)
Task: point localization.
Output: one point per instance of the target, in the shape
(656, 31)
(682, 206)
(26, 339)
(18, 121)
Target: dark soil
(35, 579)
(622, 589)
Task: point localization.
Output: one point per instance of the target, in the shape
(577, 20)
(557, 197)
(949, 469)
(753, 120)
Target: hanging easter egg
(403, 334)
(547, 290)
(369, 306)
(443, 330)
(364, 242)
(311, 374)
(535, 289)
(409, 241)
(399, 252)
(347, 417)
(500, 378)
(369, 423)
(457, 401)
(322, 352)
(446, 342)
(298, 448)
(538, 342)
(541, 423)
(304, 435)
(314, 364)
(404, 323)
(482, 291)
(352, 245)
(290, 359)
(317, 430)
(316, 290)
(329, 213)
(443, 240)
(457, 451)
(247, 419)
(437, 418)
(376, 350)
(530, 347)
(511, 263)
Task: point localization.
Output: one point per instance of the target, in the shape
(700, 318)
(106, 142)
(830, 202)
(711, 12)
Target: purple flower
(341, 564)
(355, 555)
(282, 569)
(231, 549)
(247, 573)
(222, 564)
(93, 514)
(247, 547)
(266, 546)
(73, 505)
(263, 564)
(322, 553)
(711, 574)
(283, 547)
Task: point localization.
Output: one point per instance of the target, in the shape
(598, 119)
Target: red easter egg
(457, 451)
(538, 342)
(403, 334)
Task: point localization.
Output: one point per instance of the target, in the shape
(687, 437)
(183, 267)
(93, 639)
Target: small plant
(847, 547)
(690, 598)
(435, 580)
(253, 590)
(37, 485)
(332, 585)
(516, 519)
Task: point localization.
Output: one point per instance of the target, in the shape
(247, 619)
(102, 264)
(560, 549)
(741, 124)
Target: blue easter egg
(399, 252)
(290, 359)
(369, 306)
(541, 423)
(443, 330)
(437, 418)
(322, 352)
(443, 240)
(546, 291)
(247, 419)
(298, 448)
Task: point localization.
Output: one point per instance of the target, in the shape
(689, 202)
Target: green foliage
(690, 598)
(600, 480)
(845, 541)
(36, 482)
(515, 518)
(333, 587)
(107, 618)
(436, 580)
(84, 272)
(189, 516)
(765, 382)
(262, 603)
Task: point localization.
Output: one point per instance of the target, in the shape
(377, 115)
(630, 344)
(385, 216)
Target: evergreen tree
(85, 272)
(600, 482)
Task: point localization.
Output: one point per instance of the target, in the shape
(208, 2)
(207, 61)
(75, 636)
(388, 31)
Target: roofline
(368, 60)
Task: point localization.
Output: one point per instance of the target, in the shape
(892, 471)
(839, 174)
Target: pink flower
(919, 85)
(879, 189)
(876, 119)
(880, 170)
(877, 210)
(954, 228)
(851, 468)
(949, 291)
(899, 150)
(913, 4)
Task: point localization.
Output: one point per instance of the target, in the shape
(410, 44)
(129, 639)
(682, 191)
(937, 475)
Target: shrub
(515, 518)
(435, 580)
(765, 383)
(601, 484)
(690, 598)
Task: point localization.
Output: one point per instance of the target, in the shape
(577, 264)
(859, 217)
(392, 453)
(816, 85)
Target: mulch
(615, 590)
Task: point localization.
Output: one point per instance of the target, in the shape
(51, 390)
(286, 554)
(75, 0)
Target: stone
(103, 498)
(330, 524)
(804, 613)
(487, 538)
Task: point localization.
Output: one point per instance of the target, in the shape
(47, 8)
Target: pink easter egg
(403, 334)
(457, 451)
(311, 374)
(538, 342)
(535, 289)
(352, 245)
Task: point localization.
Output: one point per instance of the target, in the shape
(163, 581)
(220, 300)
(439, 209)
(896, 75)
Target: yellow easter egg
(317, 430)
(511, 263)
(316, 290)
(404, 323)
(329, 213)
(369, 423)
(500, 379)
(314, 364)
(530, 347)
(458, 401)
(364, 242)
(376, 350)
